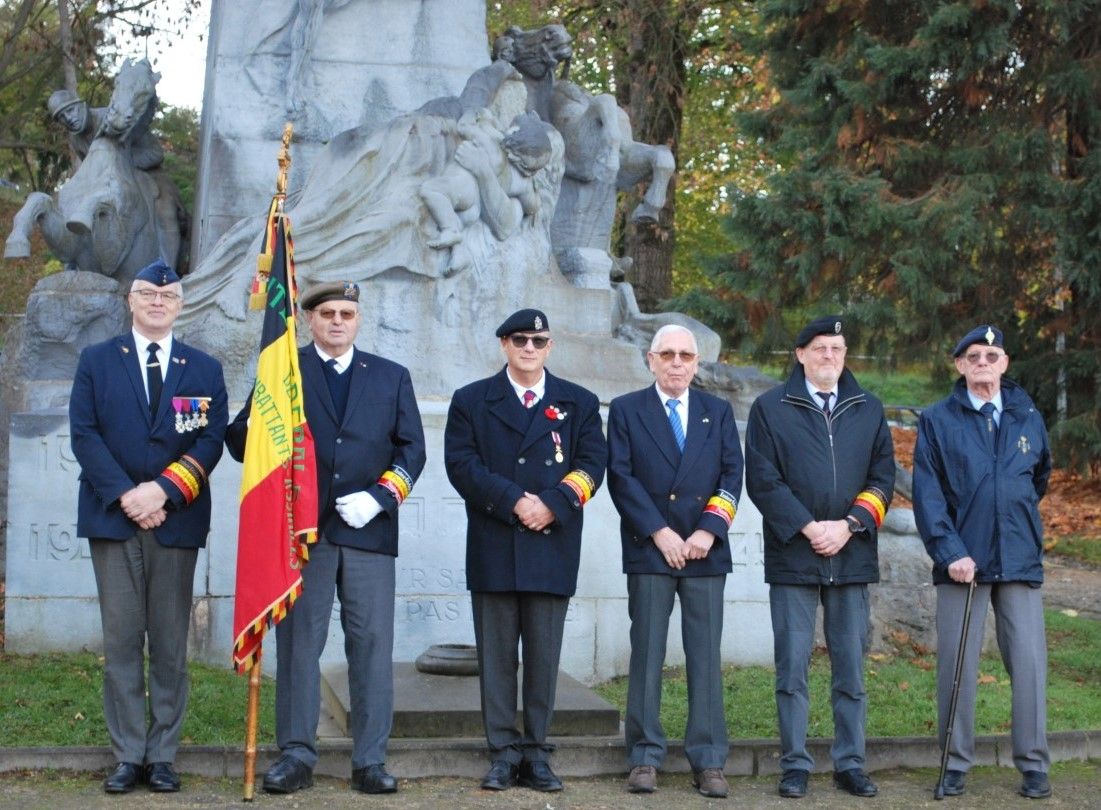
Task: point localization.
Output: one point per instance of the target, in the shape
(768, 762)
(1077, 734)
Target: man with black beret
(525, 450)
(820, 466)
(144, 506)
(369, 448)
(981, 466)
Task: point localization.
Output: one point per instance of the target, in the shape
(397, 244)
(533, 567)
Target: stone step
(450, 705)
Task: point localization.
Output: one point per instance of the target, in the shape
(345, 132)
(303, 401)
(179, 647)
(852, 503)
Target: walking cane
(938, 792)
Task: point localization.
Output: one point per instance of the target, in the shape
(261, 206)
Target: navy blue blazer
(654, 485)
(494, 451)
(120, 446)
(381, 429)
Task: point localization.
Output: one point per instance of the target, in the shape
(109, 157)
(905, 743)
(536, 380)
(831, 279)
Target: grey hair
(669, 328)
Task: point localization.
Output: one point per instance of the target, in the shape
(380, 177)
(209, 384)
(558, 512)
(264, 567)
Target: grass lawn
(902, 691)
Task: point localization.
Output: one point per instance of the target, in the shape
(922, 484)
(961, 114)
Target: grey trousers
(846, 620)
(649, 602)
(144, 596)
(501, 621)
(1019, 621)
(364, 583)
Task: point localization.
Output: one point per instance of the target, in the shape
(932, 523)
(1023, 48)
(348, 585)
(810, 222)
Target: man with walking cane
(981, 465)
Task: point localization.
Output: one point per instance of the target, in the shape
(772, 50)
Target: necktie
(825, 397)
(987, 410)
(674, 422)
(156, 379)
(331, 363)
(529, 398)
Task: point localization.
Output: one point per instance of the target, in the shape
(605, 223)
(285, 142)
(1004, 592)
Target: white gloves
(357, 509)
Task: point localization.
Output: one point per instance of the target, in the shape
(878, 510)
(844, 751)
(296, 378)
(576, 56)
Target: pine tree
(940, 166)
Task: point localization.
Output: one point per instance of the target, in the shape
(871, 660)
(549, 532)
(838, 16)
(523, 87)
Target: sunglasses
(668, 354)
(520, 341)
(329, 314)
(991, 357)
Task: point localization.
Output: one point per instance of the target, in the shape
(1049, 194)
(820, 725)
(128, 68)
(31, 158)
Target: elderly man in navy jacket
(981, 465)
(144, 506)
(526, 452)
(675, 475)
(820, 466)
(369, 446)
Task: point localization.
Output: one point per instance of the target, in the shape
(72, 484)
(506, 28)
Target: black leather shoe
(856, 782)
(374, 779)
(793, 784)
(501, 775)
(539, 776)
(123, 778)
(287, 775)
(954, 782)
(1035, 785)
(162, 777)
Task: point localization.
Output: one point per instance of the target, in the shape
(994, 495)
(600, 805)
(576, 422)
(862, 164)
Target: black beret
(329, 291)
(158, 274)
(826, 325)
(526, 320)
(985, 334)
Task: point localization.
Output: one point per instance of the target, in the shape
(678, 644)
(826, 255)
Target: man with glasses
(369, 448)
(525, 450)
(820, 466)
(144, 506)
(981, 466)
(675, 475)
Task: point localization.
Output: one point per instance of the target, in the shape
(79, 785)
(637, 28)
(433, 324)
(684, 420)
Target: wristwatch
(855, 526)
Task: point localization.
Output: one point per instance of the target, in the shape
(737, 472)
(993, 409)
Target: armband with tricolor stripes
(187, 475)
(582, 485)
(398, 482)
(723, 505)
(874, 502)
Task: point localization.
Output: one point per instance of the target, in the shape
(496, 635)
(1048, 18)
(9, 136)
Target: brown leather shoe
(642, 779)
(711, 782)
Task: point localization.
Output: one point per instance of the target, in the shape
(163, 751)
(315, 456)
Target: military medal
(177, 405)
(203, 405)
(557, 438)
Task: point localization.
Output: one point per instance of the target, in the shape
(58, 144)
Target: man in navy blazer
(147, 415)
(369, 447)
(526, 452)
(675, 475)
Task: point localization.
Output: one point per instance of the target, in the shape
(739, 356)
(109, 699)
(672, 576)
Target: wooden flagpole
(252, 712)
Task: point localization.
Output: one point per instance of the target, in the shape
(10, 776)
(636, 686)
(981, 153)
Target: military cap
(826, 325)
(525, 320)
(329, 291)
(158, 274)
(986, 334)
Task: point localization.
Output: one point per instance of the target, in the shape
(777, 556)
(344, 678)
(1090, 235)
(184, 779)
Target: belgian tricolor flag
(279, 479)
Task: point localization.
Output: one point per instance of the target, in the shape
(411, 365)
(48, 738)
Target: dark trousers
(364, 583)
(1019, 621)
(501, 621)
(649, 602)
(144, 596)
(846, 619)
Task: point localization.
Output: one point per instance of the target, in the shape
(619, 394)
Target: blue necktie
(987, 410)
(156, 379)
(674, 422)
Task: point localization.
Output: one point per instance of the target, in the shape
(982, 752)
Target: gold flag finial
(284, 159)
(259, 287)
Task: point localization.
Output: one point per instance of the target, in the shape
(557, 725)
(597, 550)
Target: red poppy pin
(553, 413)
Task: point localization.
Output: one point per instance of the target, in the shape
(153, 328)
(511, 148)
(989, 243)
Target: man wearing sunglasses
(675, 475)
(981, 466)
(144, 506)
(369, 447)
(525, 450)
(820, 466)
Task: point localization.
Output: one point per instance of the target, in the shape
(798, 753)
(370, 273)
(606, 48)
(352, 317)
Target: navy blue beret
(826, 325)
(158, 274)
(526, 320)
(985, 334)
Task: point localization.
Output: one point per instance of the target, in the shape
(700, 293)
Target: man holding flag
(369, 449)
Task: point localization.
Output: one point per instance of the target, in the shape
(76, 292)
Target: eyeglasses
(520, 341)
(990, 357)
(152, 295)
(667, 356)
(822, 351)
(329, 314)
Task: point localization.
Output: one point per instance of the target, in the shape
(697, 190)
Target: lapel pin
(706, 420)
(125, 349)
